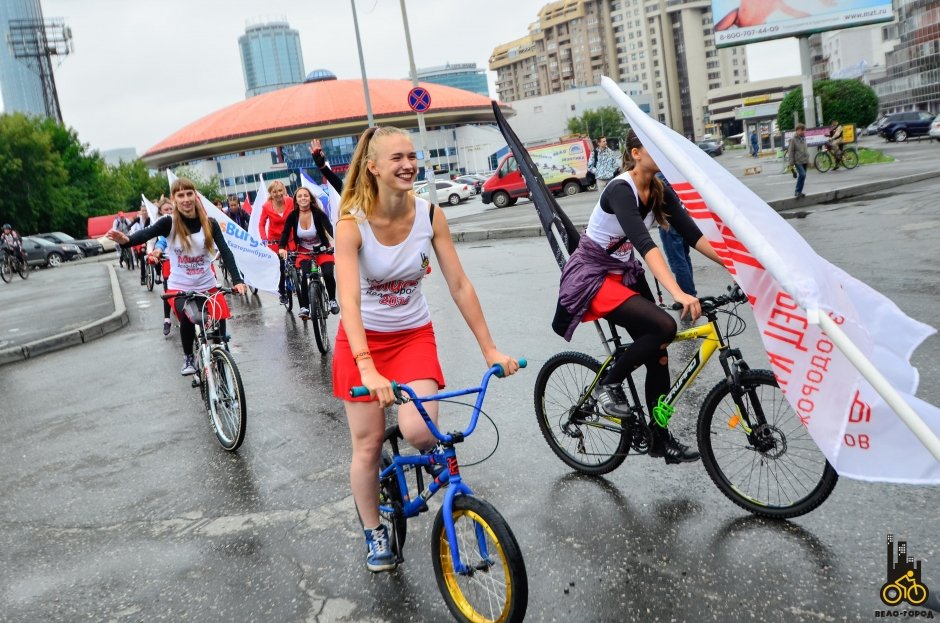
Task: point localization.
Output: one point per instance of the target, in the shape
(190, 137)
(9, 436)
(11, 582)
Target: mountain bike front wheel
(494, 585)
(849, 158)
(774, 470)
(320, 311)
(583, 437)
(151, 277)
(6, 270)
(228, 410)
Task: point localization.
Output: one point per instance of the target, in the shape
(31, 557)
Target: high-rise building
(569, 46)
(466, 76)
(913, 67)
(516, 73)
(271, 57)
(21, 86)
(666, 46)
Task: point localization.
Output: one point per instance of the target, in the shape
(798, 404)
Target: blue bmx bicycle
(477, 561)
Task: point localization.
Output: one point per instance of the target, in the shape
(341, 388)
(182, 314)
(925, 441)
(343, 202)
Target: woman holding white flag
(603, 278)
(192, 239)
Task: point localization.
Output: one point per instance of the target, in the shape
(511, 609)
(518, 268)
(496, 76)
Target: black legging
(187, 328)
(652, 329)
(304, 295)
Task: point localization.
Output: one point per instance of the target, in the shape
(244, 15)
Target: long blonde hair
(657, 190)
(179, 227)
(361, 191)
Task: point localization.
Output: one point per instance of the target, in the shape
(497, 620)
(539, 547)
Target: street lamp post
(362, 65)
(422, 130)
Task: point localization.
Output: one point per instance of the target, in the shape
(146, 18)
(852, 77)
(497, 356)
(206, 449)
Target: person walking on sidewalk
(677, 248)
(604, 163)
(798, 158)
(754, 143)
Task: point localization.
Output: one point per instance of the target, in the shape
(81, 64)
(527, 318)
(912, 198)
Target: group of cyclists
(383, 240)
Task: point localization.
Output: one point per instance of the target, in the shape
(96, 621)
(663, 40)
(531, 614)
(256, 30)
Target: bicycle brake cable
(495, 428)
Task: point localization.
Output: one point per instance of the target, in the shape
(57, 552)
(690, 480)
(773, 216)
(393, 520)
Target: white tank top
(390, 277)
(192, 270)
(605, 229)
(307, 239)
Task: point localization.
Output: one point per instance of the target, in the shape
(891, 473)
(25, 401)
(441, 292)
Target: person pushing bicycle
(603, 278)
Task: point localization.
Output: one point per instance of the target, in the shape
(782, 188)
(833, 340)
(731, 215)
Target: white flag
(259, 265)
(328, 198)
(152, 211)
(254, 221)
(789, 286)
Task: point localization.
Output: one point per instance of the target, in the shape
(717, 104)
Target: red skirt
(217, 306)
(608, 298)
(320, 259)
(165, 268)
(402, 356)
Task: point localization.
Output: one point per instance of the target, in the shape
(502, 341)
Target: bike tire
(850, 159)
(822, 161)
(390, 495)
(6, 270)
(22, 269)
(498, 587)
(558, 387)
(151, 278)
(290, 287)
(746, 474)
(229, 417)
(319, 322)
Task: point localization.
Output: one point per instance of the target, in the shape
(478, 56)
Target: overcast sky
(142, 69)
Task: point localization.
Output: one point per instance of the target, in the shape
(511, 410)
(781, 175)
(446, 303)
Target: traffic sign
(419, 100)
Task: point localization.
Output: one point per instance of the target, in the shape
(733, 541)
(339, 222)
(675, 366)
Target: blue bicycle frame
(447, 458)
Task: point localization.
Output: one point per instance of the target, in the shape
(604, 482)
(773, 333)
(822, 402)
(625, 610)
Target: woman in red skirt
(383, 242)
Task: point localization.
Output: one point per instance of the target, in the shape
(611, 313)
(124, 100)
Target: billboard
(747, 21)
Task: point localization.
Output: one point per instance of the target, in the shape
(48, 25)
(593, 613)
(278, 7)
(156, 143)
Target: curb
(91, 331)
(779, 205)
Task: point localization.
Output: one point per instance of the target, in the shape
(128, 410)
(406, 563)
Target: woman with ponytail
(603, 277)
(192, 239)
(383, 241)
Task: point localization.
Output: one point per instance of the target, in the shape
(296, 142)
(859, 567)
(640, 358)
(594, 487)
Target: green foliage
(208, 187)
(50, 181)
(848, 101)
(607, 121)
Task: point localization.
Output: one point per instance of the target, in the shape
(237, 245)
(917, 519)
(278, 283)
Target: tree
(32, 177)
(209, 188)
(607, 121)
(848, 101)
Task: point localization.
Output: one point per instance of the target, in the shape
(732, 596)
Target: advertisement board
(738, 22)
(558, 162)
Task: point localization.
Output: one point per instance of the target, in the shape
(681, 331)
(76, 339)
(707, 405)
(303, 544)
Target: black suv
(89, 247)
(903, 125)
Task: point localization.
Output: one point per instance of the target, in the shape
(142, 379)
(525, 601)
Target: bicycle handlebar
(360, 391)
(711, 303)
(190, 294)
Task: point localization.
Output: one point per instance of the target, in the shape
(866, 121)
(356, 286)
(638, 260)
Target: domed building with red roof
(269, 134)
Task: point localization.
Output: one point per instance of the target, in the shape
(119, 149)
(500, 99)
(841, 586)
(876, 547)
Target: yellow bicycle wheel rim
(450, 578)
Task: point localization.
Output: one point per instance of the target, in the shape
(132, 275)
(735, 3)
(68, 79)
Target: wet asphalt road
(118, 504)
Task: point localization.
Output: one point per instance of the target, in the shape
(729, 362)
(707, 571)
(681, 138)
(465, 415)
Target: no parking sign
(419, 100)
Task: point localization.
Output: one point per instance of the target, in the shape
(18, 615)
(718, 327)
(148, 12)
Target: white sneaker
(189, 366)
(334, 307)
(304, 313)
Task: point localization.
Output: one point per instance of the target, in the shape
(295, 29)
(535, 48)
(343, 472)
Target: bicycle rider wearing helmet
(603, 278)
(11, 242)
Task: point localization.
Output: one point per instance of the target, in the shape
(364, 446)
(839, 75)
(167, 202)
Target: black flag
(557, 226)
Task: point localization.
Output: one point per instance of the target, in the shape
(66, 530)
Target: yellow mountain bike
(753, 445)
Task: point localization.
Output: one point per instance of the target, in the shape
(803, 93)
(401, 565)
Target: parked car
(874, 127)
(107, 244)
(451, 192)
(903, 125)
(88, 246)
(935, 128)
(475, 183)
(41, 252)
(712, 148)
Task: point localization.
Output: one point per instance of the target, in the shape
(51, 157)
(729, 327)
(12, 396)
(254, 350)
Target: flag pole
(881, 385)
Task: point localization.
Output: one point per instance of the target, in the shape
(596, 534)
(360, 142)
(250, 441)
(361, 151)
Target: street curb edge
(74, 337)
